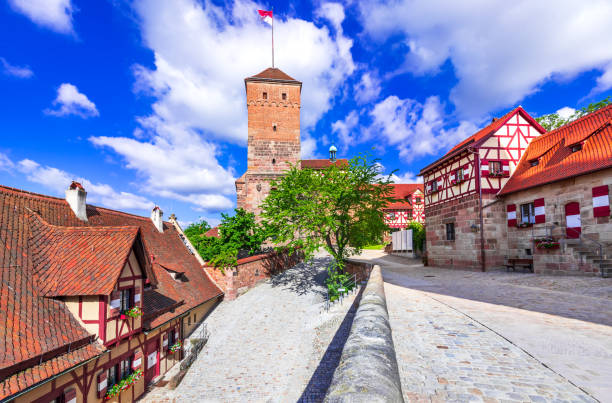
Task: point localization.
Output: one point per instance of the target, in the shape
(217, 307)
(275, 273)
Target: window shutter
(137, 360)
(428, 187)
(115, 303)
(484, 167)
(511, 212)
(601, 201)
(138, 296)
(540, 214)
(466, 172)
(102, 383)
(440, 182)
(572, 220)
(506, 168)
(70, 396)
(165, 341)
(453, 178)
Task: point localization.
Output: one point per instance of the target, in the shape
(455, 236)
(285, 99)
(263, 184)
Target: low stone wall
(368, 370)
(360, 269)
(250, 271)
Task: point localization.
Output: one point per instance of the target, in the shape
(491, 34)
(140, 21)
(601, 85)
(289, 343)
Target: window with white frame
(527, 213)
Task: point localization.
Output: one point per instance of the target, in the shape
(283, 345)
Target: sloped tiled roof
(404, 191)
(556, 161)
(73, 261)
(33, 324)
(482, 134)
(272, 73)
(323, 163)
(213, 232)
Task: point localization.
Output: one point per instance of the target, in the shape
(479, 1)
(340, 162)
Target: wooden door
(151, 359)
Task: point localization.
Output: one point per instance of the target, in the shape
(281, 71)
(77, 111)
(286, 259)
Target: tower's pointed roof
(272, 74)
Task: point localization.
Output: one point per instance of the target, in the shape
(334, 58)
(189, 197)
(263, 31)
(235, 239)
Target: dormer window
(534, 163)
(576, 147)
(265, 95)
(284, 96)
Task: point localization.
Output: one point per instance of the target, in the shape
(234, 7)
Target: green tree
(418, 235)
(337, 208)
(553, 120)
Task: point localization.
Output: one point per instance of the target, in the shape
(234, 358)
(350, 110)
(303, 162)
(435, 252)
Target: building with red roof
(512, 191)
(91, 295)
(409, 206)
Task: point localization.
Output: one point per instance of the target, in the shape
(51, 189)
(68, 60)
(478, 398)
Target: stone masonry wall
(360, 269)
(464, 251)
(556, 196)
(250, 271)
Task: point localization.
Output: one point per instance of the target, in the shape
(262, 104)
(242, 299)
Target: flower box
(123, 384)
(134, 312)
(175, 347)
(547, 245)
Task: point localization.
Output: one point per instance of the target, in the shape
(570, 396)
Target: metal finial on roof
(332, 153)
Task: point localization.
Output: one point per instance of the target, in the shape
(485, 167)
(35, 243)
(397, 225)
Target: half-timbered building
(464, 182)
(409, 206)
(95, 302)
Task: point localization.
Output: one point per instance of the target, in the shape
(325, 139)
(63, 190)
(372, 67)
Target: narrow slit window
(450, 231)
(274, 127)
(265, 95)
(576, 147)
(284, 96)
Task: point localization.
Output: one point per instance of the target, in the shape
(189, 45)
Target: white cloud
(604, 82)
(70, 101)
(414, 128)
(406, 177)
(53, 14)
(15, 71)
(368, 88)
(501, 53)
(308, 147)
(345, 129)
(566, 112)
(5, 163)
(58, 180)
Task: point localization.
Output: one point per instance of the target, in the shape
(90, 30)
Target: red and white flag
(266, 16)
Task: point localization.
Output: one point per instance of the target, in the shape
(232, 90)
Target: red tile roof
(213, 232)
(556, 159)
(73, 261)
(404, 191)
(33, 324)
(323, 163)
(272, 73)
(484, 133)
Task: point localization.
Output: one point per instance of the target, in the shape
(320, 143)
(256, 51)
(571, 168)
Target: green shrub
(418, 235)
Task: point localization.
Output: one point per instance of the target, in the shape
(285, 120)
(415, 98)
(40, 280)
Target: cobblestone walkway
(465, 336)
(273, 344)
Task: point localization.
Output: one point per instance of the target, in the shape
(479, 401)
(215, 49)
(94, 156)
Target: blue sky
(144, 101)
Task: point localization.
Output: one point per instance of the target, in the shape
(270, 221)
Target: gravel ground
(275, 343)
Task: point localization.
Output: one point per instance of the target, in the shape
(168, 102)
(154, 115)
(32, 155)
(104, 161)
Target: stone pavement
(496, 336)
(273, 344)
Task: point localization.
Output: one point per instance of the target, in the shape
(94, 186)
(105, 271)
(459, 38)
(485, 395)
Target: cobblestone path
(273, 344)
(466, 336)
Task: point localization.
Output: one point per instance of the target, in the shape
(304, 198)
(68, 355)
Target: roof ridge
(572, 123)
(90, 228)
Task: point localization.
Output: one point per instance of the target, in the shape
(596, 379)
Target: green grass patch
(374, 247)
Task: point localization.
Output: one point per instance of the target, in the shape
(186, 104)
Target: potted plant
(175, 347)
(123, 384)
(134, 312)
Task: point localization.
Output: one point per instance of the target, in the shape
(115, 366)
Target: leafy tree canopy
(337, 208)
(553, 120)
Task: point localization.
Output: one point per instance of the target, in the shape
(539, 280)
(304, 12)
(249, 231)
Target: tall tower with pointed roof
(273, 104)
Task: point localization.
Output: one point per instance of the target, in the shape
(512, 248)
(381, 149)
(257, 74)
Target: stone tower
(273, 104)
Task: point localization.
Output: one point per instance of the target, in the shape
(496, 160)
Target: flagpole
(272, 37)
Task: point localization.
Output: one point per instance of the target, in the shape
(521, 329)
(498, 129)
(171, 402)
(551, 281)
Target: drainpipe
(479, 184)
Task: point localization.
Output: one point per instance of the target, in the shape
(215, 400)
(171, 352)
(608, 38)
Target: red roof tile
(213, 232)
(272, 73)
(323, 163)
(556, 161)
(404, 191)
(482, 134)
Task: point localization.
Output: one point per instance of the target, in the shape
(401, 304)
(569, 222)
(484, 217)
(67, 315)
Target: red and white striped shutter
(506, 168)
(484, 167)
(453, 177)
(466, 172)
(70, 396)
(572, 220)
(440, 182)
(539, 211)
(511, 212)
(115, 303)
(102, 384)
(429, 187)
(165, 341)
(601, 201)
(137, 360)
(138, 296)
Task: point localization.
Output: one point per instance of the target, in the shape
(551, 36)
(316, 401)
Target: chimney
(76, 196)
(156, 217)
